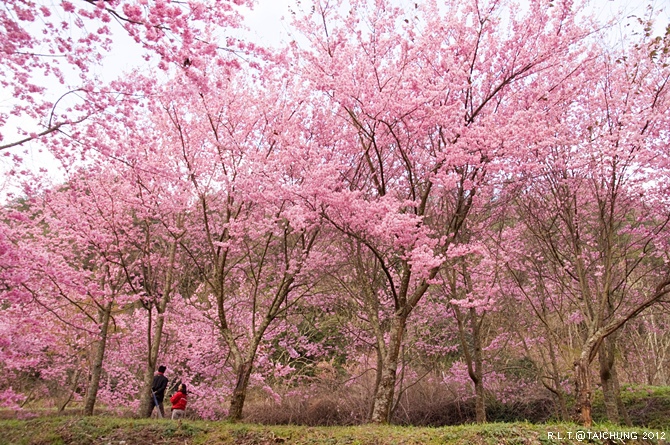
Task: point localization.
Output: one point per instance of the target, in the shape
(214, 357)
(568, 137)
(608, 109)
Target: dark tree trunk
(73, 387)
(477, 374)
(244, 368)
(96, 371)
(606, 361)
(240, 392)
(614, 407)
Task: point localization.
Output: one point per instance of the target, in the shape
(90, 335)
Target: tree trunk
(243, 370)
(606, 361)
(146, 398)
(557, 390)
(609, 379)
(96, 371)
(154, 342)
(240, 392)
(562, 406)
(378, 379)
(381, 411)
(623, 412)
(73, 387)
(583, 392)
(477, 374)
(473, 358)
(480, 405)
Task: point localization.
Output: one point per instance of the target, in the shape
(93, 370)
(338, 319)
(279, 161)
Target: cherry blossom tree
(24, 320)
(94, 231)
(427, 106)
(250, 245)
(596, 211)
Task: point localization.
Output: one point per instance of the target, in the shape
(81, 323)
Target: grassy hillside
(646, 405)
(116, 431)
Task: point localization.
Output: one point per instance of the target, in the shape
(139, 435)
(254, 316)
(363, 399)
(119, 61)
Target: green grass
(648, 406)
(117, 431)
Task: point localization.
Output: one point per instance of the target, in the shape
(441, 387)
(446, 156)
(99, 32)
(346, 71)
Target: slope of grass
(116, 431)
(647, 406)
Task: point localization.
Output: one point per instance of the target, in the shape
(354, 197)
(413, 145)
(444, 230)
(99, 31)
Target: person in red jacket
(178, 401)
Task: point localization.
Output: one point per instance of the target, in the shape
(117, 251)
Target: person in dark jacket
(158, 389)
(178, 401)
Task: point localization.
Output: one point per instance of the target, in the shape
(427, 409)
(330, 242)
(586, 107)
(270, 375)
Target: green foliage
(316, 326)
(96, 430)
(648, 406)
